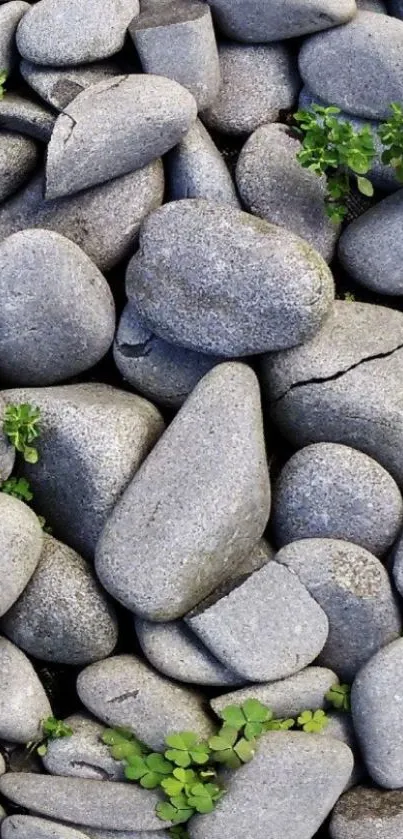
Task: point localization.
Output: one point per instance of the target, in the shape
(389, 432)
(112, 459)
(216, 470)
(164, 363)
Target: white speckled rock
(21, 540)
(259, 20)
(59, 85)
(83, 754)
(23, 701)
(365, 811)
(18, 157)
(196, 169)
(10, 15)
(31, 827)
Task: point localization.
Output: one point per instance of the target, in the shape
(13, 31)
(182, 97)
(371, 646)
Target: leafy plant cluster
(51, 729)
(21, 424)
(335, 149)
(3, 77)
(340, 697)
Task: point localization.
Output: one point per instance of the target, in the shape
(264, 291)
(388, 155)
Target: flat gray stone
(43, 341)
(21, 540)
(174, 650)
(7, 451)
(285, 618)
(63, 32)
(365, 811)
(93, 440)
(163, 372)
(369, 249)
(2, 769)
(93, 833)
(196, 169)
(10, 15)
(68, 623)
(31, 827)
(373, 6)
(20, 114)
(18, 157)
(396, 564)
(331, 491)
(376, 700)
(344, 385)
(177, 40)
(257, 82)
(123, 691)
(86, 218)
(132, 119)
(272, 290)
(117, 806)
(58, 86)
(340, 726)
(354, 590)
(357, 67)
(286, 697)
(274, 186)
(83, 754)
(307, 774)
(198, 505)
(253, 560)
(23, 701)
(257, 20)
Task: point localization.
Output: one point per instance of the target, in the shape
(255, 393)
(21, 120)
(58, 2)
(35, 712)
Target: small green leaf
(365, 186)
(157, 763)
(171, 786)
(42, 750)
(166, 812)
(245, 749)
(253, 730)
(255, 711)
(151, 780)
(233, 716)
(180, 758)
(183, 741)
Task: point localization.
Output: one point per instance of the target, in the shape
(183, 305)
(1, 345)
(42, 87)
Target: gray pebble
(340, 726)
(31, 827)
(83, 754)
(63, 32)
(199, 504)
(93, 440)
(43, 340)
(10, 15)
(176, 652)
(58, 86)
(257, 82)
(196, 169)
(85, 218)
(274, 186)
(113, 128)
(396, 560)
(287, 697)
(18, 158)
(23, 701)
(354, 590)
(253, 560)
(211, 289)
(357, 67)
(177, 40)
(372, 6)
(368, 812)
(7, 451)
(288, 789)
(20, 114)
(330, 491)
(21, 539)
(93, 833)
(285, 619)
(376, 702)
(114, 806)
(2, 768)
(163, 372)
(62, 615)
(123, 691)
(258, 20)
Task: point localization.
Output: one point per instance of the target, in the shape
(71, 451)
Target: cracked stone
(83, 754)
(59, 85)
(26, 117)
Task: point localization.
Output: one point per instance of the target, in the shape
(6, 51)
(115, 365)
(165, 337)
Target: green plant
(3, 77)
(21, 425)
(339, 697)
(313, 721)
(51, 729)
(333, 148)
(18, 488)
(390, 133)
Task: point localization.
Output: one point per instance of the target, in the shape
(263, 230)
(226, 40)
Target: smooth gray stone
(113, 128)
(257, 82)
(115, 806)
(23, 701)
(196, 169)
(63, 32)
(307, 774)
(370, 248)
(2, 768)
(124, 691)
(197, 507)
(68, 623)
(83, 754)
(376, 700)
(274, 186)
(59, 85)
(18, 157)
(253, 560)
(340, 726)
(93, 833)
(286, 697)
(3, 815)
(93, 440)
(331, 491)
(245, 307)
(177, 653)
(86, 218)
(43, 341)
(256, 20)
(397, 564)
(31, 827)
(344, 385)
(177, 41)
(21, 540)
(368, 812)
(163, 372)
(285, 618)
(7, 451)
(372, 6)
(354, 590)
(26, 117)
(357, 67)
(10, 16)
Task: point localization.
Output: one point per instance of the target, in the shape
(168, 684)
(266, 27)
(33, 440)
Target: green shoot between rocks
(51, 729)
(3, 77)
(21, 425)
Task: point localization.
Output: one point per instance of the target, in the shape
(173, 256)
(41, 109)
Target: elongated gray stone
(133, 119)
(256, 20)
(32, 827)
(7, 451)
(198, 505)
(10, 15)
(20, 114)
(365, 811)
(83, 754)
(23, 701)
(272, 290)
(59, 85)
(18, 157)
(196, 169)
(21, 540)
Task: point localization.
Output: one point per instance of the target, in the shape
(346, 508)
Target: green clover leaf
(339, 697)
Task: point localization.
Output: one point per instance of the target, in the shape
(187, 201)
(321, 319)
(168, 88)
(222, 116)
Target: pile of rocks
(220, 451)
